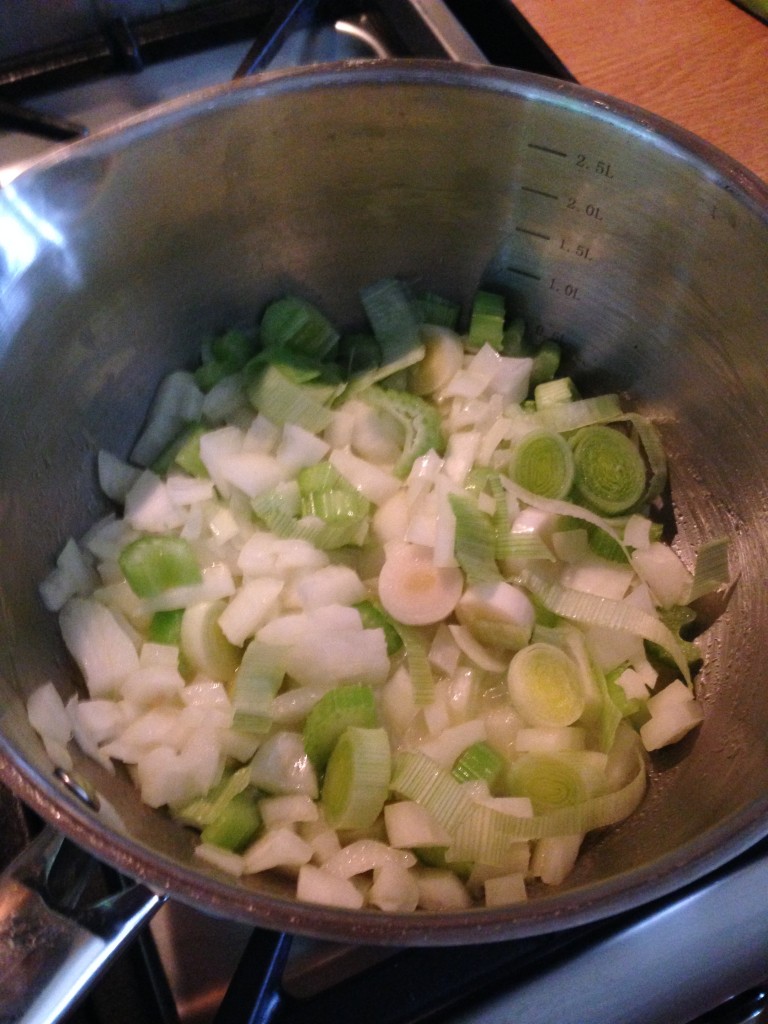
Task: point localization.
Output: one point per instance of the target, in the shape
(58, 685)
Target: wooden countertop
(700, 63)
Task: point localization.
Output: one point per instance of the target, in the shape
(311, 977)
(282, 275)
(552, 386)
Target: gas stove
(67, 70)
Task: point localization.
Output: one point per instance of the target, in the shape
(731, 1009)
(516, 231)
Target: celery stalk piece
(283, 397)
(475, 545)
(393, 317)
(486, 324)
(295, 324)
(479, 761)
(165, 627)
(152, 564)
(334, 712)
(256, 683)
(357, 775)
(420, 420)
(374, 617)
(237, 824)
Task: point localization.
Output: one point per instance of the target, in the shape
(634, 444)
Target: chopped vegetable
(389, 605)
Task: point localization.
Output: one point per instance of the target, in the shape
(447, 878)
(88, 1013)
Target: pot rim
(699, 856)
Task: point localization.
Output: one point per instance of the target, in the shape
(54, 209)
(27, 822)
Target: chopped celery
(183, 451)
(486, 324)
(333, 713)
(152, 564)
(165, 627)
(475, 546)
(257, 681)
(420, 420)
(374, 617)
(479, 761)
(295, 324)
(237, 824)
(284, 395)
(437, 310)
(393, 317)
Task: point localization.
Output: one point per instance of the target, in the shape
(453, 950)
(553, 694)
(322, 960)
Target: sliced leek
(357, 778)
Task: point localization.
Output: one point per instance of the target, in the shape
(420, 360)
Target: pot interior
(644, 251)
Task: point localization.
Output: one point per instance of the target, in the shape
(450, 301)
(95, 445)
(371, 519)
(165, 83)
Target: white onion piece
(101, 648)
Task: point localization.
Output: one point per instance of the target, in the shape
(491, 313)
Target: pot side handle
(52, 950)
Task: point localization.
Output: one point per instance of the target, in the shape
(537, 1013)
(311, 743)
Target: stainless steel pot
(642, 248)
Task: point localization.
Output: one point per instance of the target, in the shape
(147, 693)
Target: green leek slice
(154, 563)
(165, 627)
(357, 775)
(548, 780)
(334, 712)
(475, 543)
(419, 668)
(602, 611)
(437, 310)
(543, 463)
(545, 686)
(610, 474)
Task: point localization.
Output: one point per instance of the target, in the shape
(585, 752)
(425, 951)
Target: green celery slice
(486, 323)
(334, 712)
(374, 617)
(296, 324)
(479, 761)
(153, 564)
(237, 824)
(275, 391)
(475, 544)
(420, 420)
(165, 627)
(393, 317)
(257, 681)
